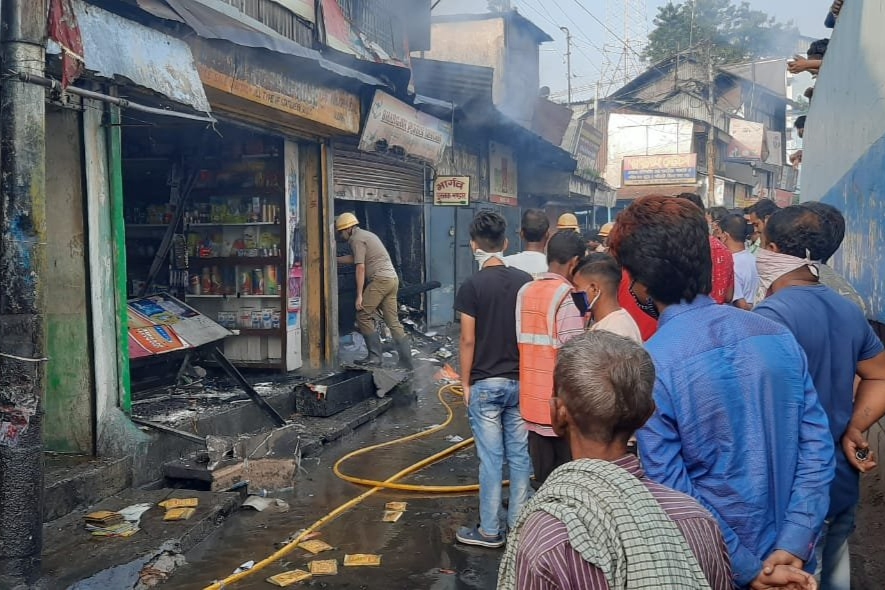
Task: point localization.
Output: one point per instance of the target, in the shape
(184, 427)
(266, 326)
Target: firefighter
(376, 289)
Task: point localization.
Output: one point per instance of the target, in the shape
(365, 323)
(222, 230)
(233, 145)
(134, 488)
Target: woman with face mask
(597, 279)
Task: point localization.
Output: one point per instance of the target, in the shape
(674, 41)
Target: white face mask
(482, 257)
(773, 265)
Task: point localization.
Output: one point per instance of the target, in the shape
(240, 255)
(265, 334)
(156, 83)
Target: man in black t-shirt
(490, 376)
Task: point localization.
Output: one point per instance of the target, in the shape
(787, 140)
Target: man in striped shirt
(600, 537)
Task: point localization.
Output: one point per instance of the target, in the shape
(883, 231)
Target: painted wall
(844, 152)
(68, 423)
(522, 77)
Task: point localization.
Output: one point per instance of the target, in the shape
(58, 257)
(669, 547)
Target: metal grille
(379, 22)
(280, 19)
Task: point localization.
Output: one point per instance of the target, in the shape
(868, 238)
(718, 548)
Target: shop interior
(235, 248)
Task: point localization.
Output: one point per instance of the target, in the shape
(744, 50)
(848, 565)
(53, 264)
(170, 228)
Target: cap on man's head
(346, 221)
(606, 229)
(567, 221)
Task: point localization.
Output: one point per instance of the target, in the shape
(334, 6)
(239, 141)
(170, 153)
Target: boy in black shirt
(490, 375)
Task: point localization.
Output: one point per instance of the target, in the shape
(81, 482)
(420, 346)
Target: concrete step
(74, 559)
(73, 482)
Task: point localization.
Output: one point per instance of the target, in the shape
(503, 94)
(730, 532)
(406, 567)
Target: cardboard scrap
(326, 567)
(179, 514)
(288, 578)
(123, 529)
(391, 516)
(179, 503)
(104, 518)
(315, 546)
(397, 506)
(362, 559)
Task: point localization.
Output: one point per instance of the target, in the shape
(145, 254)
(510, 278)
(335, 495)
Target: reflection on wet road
(418, 551)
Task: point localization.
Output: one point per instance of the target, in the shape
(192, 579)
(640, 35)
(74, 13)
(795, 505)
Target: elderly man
(599, 522)
(738, 424)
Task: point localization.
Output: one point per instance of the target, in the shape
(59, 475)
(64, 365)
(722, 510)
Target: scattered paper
(288, 578)
(179, 514)
(133, 513)
(261, 504)
(400, 506)
(123, 529)
(180, 503)
(430, 334)
(246, 566)
(391, 516)
(325, 567)
(361, 559)
(315, 546)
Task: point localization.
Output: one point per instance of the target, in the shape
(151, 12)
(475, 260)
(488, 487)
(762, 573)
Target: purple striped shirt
(545, 559)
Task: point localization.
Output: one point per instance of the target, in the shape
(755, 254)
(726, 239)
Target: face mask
(482, 257)
(648, 307)
(773, 265)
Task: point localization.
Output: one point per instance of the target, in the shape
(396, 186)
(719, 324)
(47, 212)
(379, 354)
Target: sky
(589, 36)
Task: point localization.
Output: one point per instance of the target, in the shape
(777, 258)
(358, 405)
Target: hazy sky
(589, 36)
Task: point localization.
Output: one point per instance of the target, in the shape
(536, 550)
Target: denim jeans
(833, 560)
(500, 433)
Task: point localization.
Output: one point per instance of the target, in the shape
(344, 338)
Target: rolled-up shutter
(361, 176)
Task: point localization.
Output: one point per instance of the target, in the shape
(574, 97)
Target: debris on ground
(454, 438)
(386, 380)
(323, 567)
(246, 566)
(392, 515)
(175, 514)
(107, 523)
(447, 571)
(158, 570)
(399, 506)
(315, 546)
(133, 513)
(288, 578)
(179, 503)
(447, 374)
(362, 560)
(444, 353)
(261, 504)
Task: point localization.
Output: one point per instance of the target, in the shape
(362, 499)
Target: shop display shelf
(243, 224)
(236, 261)
(277, 296)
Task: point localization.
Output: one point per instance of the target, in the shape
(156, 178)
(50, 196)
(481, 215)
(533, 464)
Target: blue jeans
(833, 560)
(493, 411)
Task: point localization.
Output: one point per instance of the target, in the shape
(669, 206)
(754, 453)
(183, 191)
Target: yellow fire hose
(377, 486)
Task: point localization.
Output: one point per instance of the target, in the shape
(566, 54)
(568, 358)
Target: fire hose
(376, 486)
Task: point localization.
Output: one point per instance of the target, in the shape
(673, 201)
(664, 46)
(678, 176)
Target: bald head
(604, 382)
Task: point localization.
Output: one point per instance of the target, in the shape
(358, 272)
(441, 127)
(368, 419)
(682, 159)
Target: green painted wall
(68, 422)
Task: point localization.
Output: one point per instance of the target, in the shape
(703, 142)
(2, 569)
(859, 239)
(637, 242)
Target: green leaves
(737, 31)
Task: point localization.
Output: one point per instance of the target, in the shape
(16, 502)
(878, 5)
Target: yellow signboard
(327, 106)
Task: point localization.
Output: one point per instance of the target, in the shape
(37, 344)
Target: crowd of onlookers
(690, 389)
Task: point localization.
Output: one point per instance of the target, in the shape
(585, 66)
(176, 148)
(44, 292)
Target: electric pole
(711, 129)
(22, 272)
(568, 61)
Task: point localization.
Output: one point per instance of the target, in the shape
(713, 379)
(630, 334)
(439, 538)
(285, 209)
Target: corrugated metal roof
(116, 47)
(452, 82)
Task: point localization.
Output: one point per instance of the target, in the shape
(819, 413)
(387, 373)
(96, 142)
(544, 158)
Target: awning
(117, 48)
(213, 19)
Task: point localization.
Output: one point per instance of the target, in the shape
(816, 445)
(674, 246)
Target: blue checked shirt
(739, 427)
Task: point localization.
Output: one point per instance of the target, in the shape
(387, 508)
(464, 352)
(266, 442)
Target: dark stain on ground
(418, 551)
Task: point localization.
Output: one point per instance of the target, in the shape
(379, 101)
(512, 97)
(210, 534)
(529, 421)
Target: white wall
(644, 135)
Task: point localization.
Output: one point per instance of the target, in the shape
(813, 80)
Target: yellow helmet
(606, 229)
(567, 221)
(346, 221)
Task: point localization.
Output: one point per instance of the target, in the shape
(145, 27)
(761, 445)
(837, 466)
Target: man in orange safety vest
(546, 318)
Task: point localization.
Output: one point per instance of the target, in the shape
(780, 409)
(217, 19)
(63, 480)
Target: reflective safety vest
(536, 307)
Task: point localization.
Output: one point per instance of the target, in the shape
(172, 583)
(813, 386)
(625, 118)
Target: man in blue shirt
(738, 423)
(839, 343)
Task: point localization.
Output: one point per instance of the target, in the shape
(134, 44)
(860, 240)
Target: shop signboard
(652, 170)
(160, 324)
(399, 125)
(244, 78)
(451, 190)
(587, 146)
(503, 175)
(747, 140)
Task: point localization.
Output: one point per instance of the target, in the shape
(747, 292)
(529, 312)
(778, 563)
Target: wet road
(418, 551)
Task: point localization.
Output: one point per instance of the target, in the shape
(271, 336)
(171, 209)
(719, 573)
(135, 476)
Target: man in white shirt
(598, 276)
(735, 230)
(533, 259)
